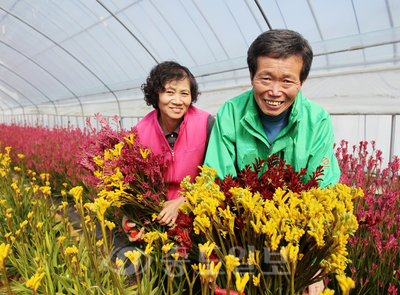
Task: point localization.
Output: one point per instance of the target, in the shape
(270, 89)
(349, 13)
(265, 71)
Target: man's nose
(275, 88)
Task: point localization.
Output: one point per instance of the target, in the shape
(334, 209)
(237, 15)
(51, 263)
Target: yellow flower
(204, 272)
(119, 263)
(71, 250)
(101, 205)
(231, 263)
(110, 225)
(149, 249)
(345, 283)
(167, 247)
(84, 268)
(145, 153)
(129, 140)
(4, 250)
(207, 248)
(251, 260)
(133, 257)
(214, 270)
(154, 217)
(30, 214)
(164, 237)
(256, 280)
(37, 259)
(327, 292)
(175, 256)
(241, 282)
(61, 239)
(21, 156)
(150, 237)
(39, 225)
(201, 223)
(24, 223)
(77, 193)
(34, 281)
(99, 243)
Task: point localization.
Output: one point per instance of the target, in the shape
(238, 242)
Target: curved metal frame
(37, 109)
(263, 14)
(133, 35)
(28, 58)
(70, 54)
(18, 75)
(21, 106)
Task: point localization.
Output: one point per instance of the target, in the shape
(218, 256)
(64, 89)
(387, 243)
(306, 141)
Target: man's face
(276, 83)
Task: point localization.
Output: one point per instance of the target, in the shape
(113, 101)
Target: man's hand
(170, 212)
(129, 227)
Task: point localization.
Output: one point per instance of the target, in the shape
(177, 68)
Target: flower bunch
(127, 173)
(375, 248)
(286, 240)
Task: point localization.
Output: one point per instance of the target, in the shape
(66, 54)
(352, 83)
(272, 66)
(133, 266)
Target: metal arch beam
(390, 15)
(70, 54)
(37, 109)
(8, 107)
(22, 107)
(2, 110)
(263, 14)
(358, 25)
(211, 28)
(80, 103)
(318, 26)
(176, 34)
(133, 35)
(200, 32)
(18, 75)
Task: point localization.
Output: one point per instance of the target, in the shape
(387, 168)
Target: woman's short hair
(162, 74)
(280, 44)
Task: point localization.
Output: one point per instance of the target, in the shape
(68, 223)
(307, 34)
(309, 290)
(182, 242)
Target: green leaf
(73, 291)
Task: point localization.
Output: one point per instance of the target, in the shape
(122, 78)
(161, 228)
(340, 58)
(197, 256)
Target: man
(274, 117)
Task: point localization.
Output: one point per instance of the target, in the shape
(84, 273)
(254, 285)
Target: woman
(175, 126)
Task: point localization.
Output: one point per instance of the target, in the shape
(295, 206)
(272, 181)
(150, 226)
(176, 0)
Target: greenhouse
(71, 91)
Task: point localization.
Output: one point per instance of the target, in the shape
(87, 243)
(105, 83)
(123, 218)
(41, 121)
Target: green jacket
(238, 138)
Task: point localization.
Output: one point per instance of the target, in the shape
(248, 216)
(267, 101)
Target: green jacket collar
(252, 122)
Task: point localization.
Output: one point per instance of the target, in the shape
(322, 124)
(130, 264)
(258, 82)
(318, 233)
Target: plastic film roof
(76, 57)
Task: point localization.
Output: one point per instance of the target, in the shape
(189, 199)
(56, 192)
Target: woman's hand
(129, 227)
(315, 289)
(169, 214)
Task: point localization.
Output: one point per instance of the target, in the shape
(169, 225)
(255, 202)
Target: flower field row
(220, 215)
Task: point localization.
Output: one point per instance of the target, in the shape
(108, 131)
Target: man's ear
(304, 81)
(251, 77)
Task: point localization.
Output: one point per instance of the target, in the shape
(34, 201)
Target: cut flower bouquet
(126, 172)
(286, 233)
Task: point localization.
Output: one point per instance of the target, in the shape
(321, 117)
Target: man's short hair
(280, 44)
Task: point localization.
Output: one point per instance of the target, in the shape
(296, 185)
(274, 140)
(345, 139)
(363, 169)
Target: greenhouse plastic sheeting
(64, 60)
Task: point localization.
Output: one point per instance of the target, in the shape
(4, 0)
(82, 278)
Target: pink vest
(189, 147)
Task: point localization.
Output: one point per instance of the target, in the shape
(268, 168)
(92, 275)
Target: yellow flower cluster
(4, 250)
(203, 199)
(322, 216)
(113, 189)
(34, 281)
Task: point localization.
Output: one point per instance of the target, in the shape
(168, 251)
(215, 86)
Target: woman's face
(174, 102)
